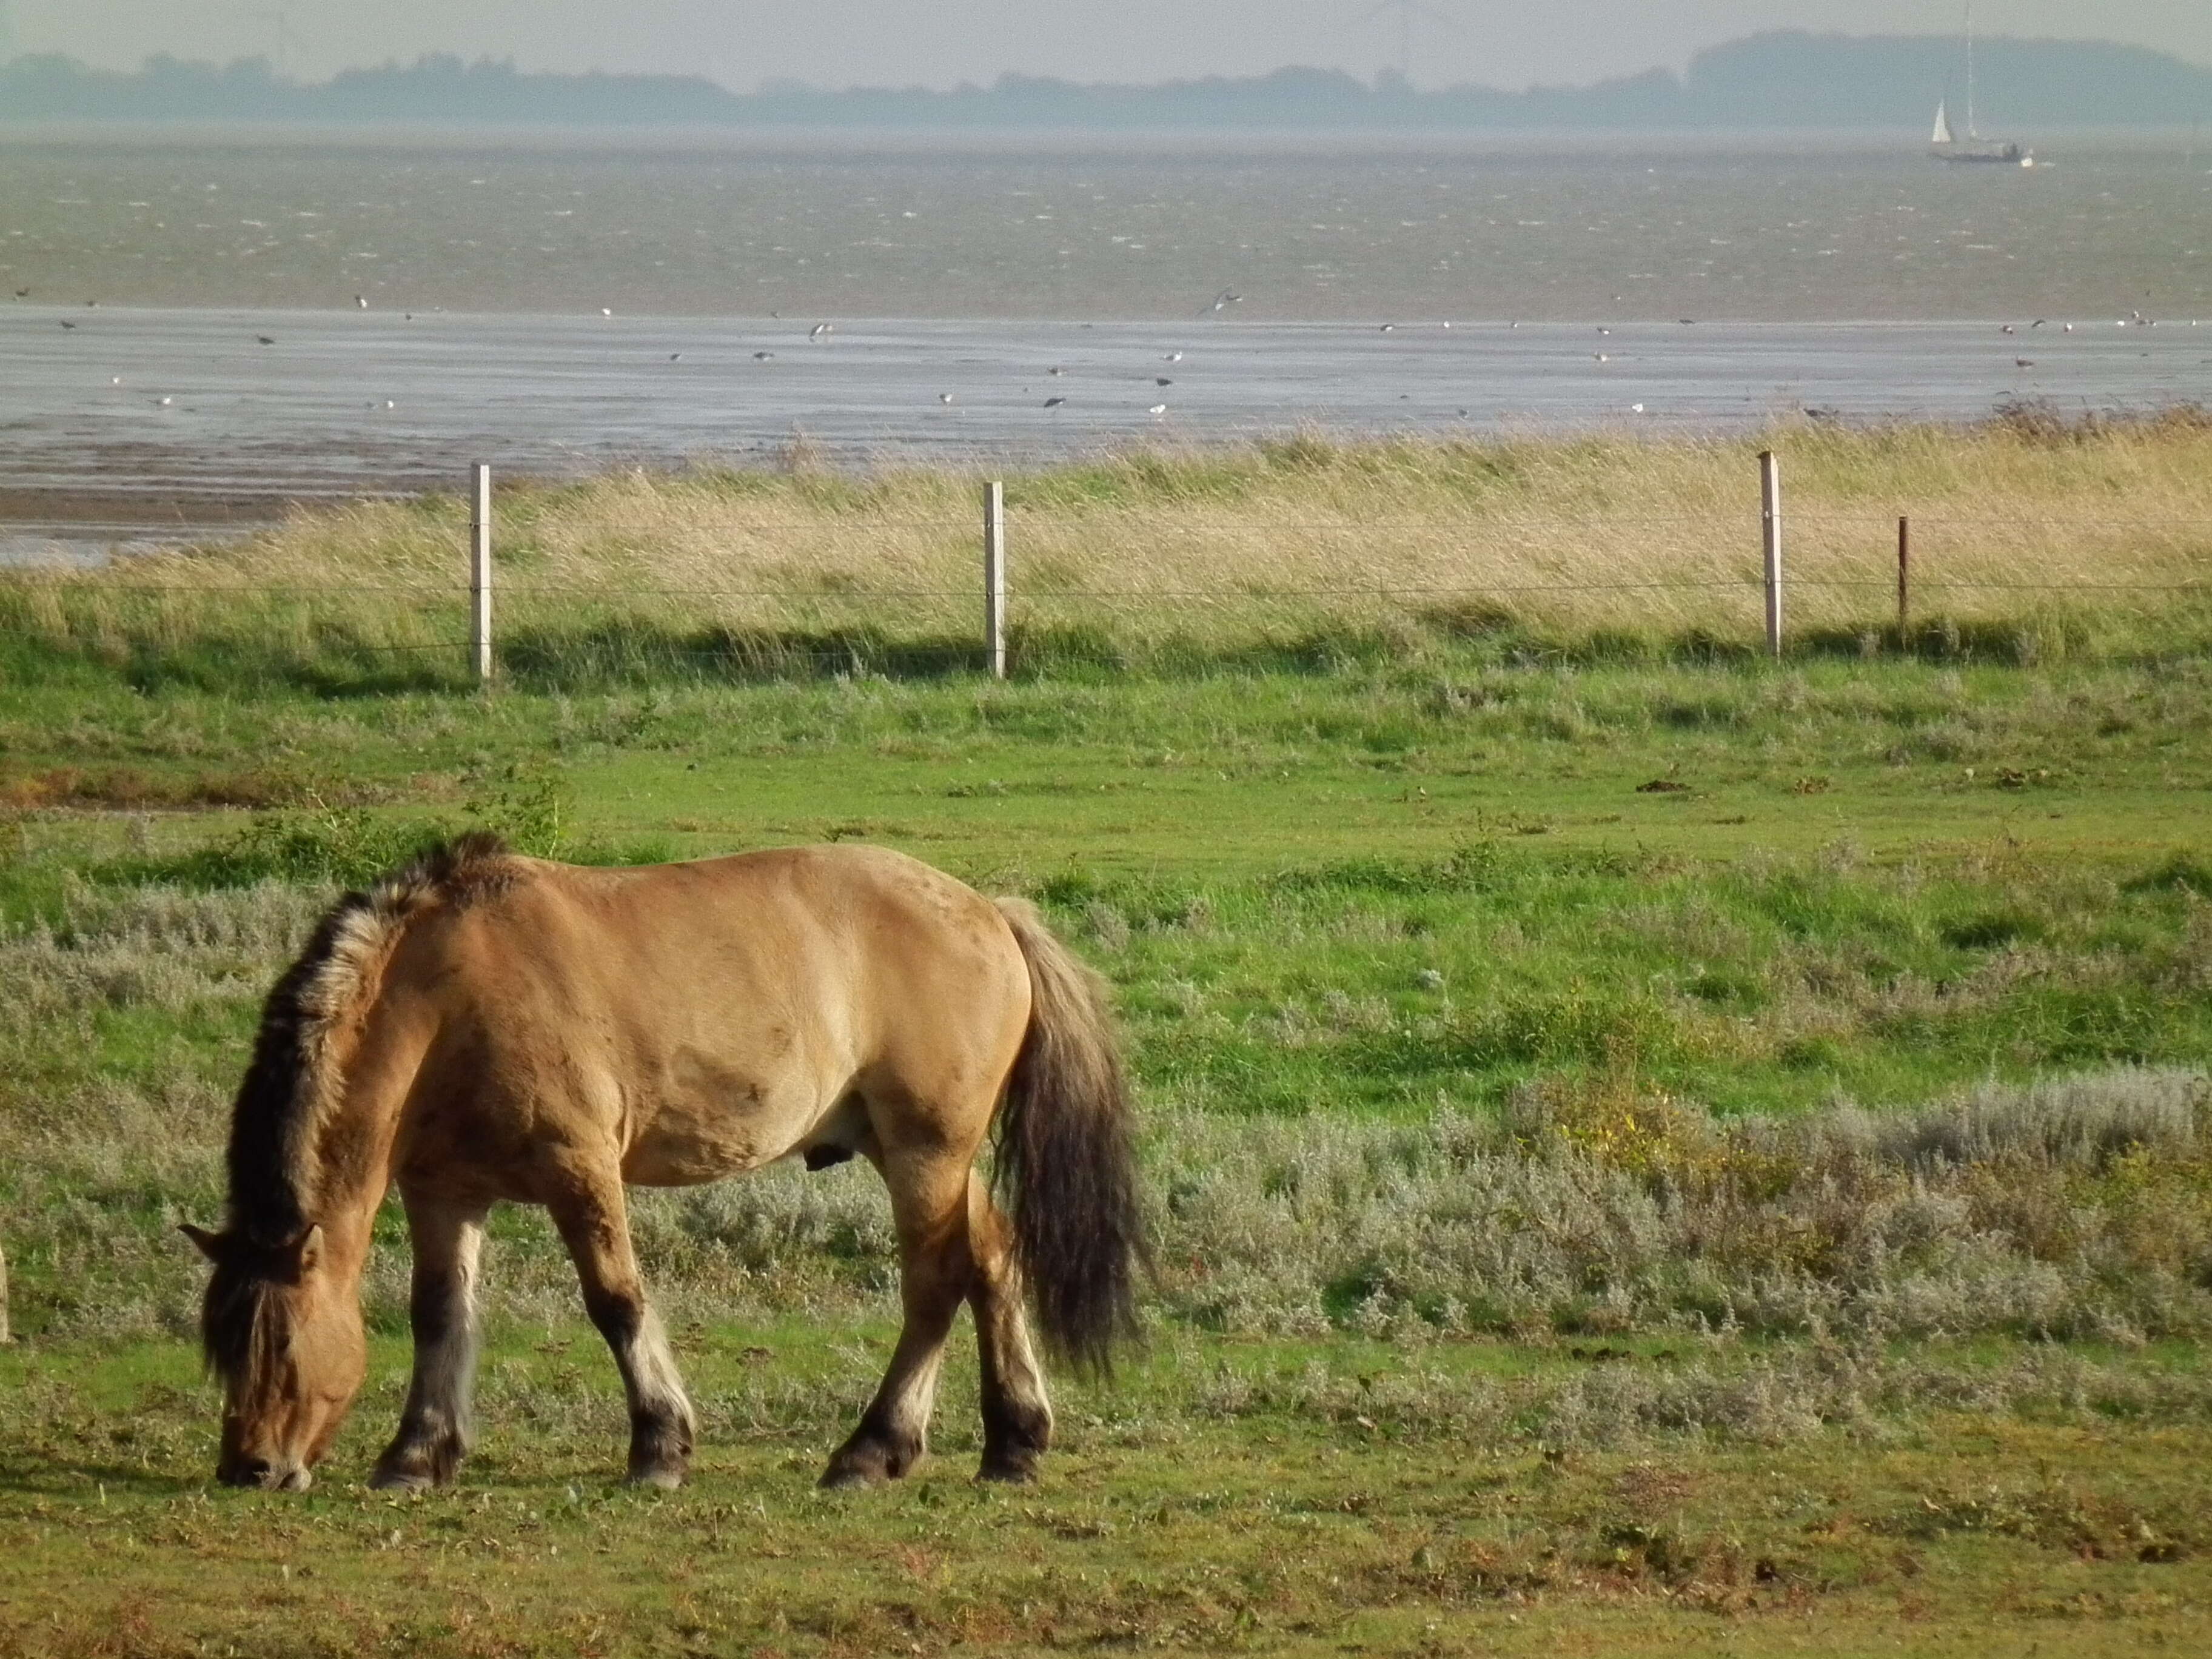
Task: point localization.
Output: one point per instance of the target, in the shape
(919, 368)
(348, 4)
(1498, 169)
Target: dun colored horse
(484, 1026)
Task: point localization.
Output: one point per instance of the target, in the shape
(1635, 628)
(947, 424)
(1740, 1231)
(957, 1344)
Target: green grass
(1594, 1215)
(1875, 880)
(1251, 1498)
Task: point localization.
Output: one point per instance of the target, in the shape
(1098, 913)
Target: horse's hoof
(869, 1459)
(1012, 1471)
(399, 1478)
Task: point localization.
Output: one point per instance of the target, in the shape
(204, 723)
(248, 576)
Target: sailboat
(1945, 148)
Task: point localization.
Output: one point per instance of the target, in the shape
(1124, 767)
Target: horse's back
(711, 1015)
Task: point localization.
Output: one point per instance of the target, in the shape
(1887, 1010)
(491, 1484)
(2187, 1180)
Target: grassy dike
(1649, 1148)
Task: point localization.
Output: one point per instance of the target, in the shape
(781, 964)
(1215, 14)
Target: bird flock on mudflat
(822, 333)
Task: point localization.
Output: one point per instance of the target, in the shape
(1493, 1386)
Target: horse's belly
(702, 1124)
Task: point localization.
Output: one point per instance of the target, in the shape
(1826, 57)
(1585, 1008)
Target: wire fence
(1073, 578)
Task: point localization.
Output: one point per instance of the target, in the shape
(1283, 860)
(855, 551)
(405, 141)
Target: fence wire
(817, 625)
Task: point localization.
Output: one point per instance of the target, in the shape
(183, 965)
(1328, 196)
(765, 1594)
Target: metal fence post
(994, 577)
(1770, 522)
(480, 569)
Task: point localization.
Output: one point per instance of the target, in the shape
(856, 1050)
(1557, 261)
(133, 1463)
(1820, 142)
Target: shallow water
(1370, 230)
(190, 404)
(1833, 279)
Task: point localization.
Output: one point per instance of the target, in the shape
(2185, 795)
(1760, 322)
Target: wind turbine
(1407, 11)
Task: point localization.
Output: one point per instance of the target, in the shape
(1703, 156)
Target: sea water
(555, 303)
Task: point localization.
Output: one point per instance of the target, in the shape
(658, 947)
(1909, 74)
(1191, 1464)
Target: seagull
(675, 356)
(1158, 408)
(1054, 402)
(762, 356)
(2007, 329)
(1055, 369)
(165, 401)
(1172, 358)
(945, 397)
(22, 293)
(1600, 356)
(1223, 299)
(2037, 323)
(67, 323)
(1636, 408)
(1389, 328)
(2069, 328)
(821, 331)
(606, 311)
(1604, 330)
(2023, 362)
(265, 339)
(1162, 379)
(115, 380)
(361, 300)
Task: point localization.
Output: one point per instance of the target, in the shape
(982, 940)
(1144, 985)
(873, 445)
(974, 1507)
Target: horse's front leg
(594, 1224)
(434, 1426)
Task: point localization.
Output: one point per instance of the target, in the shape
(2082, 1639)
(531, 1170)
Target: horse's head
(283, 1331)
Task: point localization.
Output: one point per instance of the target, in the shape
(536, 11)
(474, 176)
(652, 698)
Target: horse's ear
(210, 1245)
(309, 1251)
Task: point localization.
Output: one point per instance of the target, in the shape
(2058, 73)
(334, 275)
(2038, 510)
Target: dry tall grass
(2069, 536)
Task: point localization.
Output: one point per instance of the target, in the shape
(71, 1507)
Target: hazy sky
(1508, 43)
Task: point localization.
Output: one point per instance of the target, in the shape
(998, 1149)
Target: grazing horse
(484, 1026)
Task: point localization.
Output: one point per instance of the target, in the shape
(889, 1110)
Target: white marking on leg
(446, 1375)
(656, 1389)
(909, 1400)
(1019, 1374)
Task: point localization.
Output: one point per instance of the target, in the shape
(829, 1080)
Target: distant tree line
(1783, 79)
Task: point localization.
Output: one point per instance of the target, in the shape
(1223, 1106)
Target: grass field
(2035, 540)
(1649, 1150)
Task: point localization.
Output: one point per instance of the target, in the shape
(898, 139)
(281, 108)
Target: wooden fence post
(480, 570)
(1770, 521)
(6, 1337)
(994, 577)
(1903, 578)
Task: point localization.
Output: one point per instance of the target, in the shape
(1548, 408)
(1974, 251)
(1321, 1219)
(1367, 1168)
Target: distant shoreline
(1185, 141)
(1786, 80)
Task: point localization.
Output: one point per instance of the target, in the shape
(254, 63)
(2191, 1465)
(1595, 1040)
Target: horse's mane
(288, 1086)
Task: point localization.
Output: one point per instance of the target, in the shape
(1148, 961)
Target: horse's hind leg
(929, 1206)
(435, 1426)
(1017, 1416)
(588, 1209)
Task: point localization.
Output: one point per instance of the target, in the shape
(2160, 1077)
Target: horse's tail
(1065, 1165)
